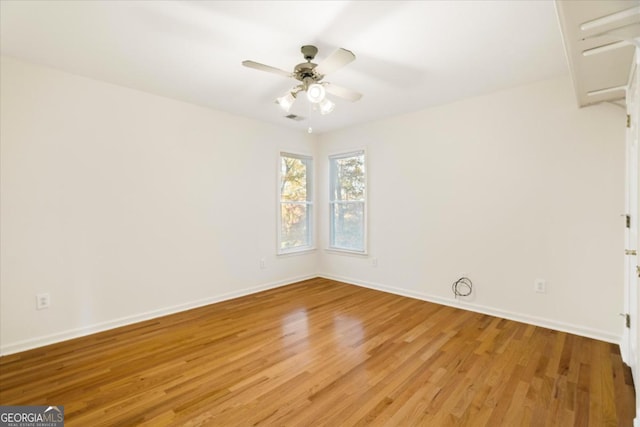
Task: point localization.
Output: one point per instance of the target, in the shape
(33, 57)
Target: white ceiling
(409, 54)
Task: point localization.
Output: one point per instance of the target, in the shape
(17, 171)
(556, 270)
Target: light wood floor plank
(321, 352)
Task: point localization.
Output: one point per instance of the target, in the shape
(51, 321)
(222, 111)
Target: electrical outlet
(43, 301)
(263, 263)
(540, 286)
(374, 262)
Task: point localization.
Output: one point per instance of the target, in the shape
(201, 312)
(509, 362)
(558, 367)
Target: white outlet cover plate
(43, 301)
(540, 286)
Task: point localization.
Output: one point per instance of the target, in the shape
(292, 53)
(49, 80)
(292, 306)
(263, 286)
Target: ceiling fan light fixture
(286, 101)
(326, 106)
(315, 93)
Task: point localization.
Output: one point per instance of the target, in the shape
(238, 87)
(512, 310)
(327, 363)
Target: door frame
(631, 335)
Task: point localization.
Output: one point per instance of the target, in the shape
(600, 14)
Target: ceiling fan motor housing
(305, 72)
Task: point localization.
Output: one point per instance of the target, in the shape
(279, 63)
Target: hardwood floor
(325, 353)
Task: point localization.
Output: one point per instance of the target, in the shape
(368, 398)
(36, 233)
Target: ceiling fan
(310, 76)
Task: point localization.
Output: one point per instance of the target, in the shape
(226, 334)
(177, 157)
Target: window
(347, 199)
(295, 219)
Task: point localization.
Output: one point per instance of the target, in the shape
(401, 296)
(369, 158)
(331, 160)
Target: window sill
(296, 252)
(346, 252)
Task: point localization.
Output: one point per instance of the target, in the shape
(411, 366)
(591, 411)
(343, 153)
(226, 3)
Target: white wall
(505, 188)
(125, 205)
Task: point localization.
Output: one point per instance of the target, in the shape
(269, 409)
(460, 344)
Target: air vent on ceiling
(294, 117)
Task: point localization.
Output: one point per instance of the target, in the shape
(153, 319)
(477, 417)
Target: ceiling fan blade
(337, 59)
(267, 68)
(342, 92)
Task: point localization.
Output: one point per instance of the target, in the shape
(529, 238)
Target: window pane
(347, 226)
(348, 178)
(293, 186)
(296, 207)
(294, 224)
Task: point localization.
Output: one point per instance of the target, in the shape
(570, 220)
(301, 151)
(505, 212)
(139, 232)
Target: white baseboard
(518, 317)
(99, 327)
(128, 320)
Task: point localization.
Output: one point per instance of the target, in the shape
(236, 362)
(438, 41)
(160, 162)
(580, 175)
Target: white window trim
(310, 204)
(344, 251)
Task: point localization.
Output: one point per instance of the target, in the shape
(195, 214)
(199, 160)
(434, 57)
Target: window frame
(365, 229)
(309, 203)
